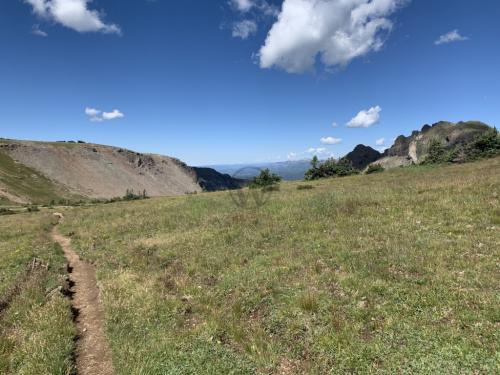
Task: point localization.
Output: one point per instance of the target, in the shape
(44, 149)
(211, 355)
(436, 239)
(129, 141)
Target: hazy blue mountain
(288, 170)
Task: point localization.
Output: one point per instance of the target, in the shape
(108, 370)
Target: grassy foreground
(389, 273)
(36, 328)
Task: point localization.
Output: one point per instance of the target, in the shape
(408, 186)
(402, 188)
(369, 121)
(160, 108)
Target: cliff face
(211, 180)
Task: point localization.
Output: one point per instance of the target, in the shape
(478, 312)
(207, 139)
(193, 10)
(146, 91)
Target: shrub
(374, 168)
(436, 153)
(131, 196)
(330, 168)
(265, 179)
(271, 188)
(6, 211)
(485, 145)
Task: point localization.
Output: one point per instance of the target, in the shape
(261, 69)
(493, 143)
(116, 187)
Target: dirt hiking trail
(93, 356)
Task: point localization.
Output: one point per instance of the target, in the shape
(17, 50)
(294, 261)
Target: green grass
(36, 328)
(26, 182)
(388, 273)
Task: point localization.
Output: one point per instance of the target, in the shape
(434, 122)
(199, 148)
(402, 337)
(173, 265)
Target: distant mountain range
(288, 170)
(405, 151)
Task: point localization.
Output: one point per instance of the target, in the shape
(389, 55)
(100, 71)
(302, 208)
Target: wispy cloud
(450, 37)
(73, 14)
(96, 115)
(380, 142)
(261, 6)
(321, 152)
(365, 118)
(38, 32)
(253, 12)
(331, 141)
(243, 29)
(243, 5)
(317, 150)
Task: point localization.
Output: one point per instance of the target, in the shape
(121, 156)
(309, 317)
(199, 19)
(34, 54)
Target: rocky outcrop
(362, 156)
(414, 148)
(450, 134)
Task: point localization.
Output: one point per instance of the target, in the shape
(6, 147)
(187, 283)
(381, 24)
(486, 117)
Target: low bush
(6, 211)
(305, 187)
(131, 196)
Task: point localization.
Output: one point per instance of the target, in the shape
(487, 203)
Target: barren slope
(20, 184)
(98, 171)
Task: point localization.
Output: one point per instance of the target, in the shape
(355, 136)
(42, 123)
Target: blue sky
(189, 79)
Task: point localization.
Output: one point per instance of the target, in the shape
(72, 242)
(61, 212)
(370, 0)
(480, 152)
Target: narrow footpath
(93, 356)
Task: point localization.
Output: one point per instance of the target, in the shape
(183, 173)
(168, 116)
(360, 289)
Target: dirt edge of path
(93, 356)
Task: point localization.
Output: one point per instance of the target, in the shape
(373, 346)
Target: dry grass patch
(385, 273)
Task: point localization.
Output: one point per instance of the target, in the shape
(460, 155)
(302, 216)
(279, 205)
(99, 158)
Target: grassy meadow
(36, 328)
(387, 273)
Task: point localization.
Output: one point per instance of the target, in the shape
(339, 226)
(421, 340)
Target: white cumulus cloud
(331, 140)
(96, 115)
(380, 142)
(365, 118)
(243, 29)
(337, 31)
(452, 36)
(73, 14)
(92, 112)
(115, 114)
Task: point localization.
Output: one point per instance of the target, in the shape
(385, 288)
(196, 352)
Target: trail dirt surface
(93, 356)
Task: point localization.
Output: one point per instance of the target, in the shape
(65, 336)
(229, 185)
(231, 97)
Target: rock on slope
(97, 171)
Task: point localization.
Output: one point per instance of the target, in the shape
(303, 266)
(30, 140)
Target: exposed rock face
(401, 147)
(98, 171)
(450, 134)
(414, 148)
(211, 180)
(362, 156)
